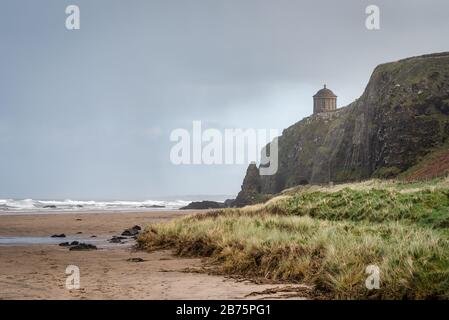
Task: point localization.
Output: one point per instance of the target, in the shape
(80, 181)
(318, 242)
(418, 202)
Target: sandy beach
(37, 271)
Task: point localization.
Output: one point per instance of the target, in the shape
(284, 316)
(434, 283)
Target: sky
(87, 114)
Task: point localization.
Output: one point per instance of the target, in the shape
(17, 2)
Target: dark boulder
(83, 247)
(200, 205)
(135, 260)
(116, 239)
(62, 235)
(131, 231)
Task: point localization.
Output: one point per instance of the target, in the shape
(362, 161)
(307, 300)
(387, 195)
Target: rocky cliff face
(251, 188)
(401, 116)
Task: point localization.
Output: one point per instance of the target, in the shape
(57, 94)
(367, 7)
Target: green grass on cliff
(376, 205)
(326, 237)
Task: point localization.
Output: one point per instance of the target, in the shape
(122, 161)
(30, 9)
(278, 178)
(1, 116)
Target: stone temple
(324, 101)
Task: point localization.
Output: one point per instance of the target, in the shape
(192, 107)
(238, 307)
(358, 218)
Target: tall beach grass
(326, 238)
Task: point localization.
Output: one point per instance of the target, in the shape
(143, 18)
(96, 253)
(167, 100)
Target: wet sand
(37, 271)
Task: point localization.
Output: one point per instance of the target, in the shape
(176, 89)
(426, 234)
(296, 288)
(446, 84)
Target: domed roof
(325, 93)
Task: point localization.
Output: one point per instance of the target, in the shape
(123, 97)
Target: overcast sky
(87, 114)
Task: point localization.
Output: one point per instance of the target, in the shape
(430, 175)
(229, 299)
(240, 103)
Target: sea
(26, 206)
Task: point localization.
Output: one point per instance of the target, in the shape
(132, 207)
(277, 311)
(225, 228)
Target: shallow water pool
(46, 240)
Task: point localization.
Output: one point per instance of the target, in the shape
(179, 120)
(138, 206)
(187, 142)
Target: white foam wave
(30, 205)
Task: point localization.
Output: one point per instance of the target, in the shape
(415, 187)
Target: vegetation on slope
(373, 205)
(434, 164)
(326, 237)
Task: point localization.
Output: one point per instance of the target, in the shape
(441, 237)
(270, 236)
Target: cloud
(154, 132)
(89, 111)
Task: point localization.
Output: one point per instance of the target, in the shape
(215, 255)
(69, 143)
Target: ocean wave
(30, 205)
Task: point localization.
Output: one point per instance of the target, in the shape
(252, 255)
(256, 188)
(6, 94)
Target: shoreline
(87, 211)
(94, 222)
(37, 271)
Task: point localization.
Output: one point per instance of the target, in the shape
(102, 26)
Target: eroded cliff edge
(401, 116)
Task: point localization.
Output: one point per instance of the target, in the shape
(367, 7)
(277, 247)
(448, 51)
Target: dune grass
(422, 203)
(425, 207)
(327, 238)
